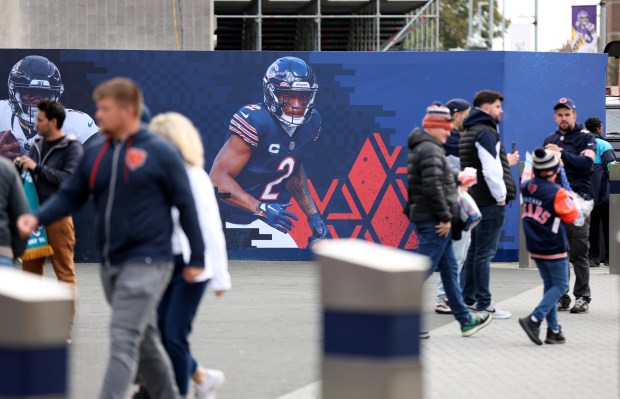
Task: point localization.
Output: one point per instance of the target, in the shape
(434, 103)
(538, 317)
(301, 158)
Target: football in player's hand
(9, 146)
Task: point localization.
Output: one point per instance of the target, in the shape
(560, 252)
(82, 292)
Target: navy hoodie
(579, 150)
(134, 183)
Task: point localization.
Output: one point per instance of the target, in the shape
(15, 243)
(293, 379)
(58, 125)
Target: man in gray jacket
(13, 203)
(433, 208)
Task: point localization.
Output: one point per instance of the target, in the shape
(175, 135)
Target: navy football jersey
(275, 156)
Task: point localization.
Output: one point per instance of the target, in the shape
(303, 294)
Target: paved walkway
(501, 361)
(265, 336)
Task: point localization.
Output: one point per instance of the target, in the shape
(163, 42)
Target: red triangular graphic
(355, 213)
(390, 158)
(321, 205)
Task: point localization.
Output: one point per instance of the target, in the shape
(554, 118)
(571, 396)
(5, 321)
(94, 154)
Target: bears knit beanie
(437, 117)
(544, 160)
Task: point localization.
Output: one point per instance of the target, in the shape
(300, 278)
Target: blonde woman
(181, 299)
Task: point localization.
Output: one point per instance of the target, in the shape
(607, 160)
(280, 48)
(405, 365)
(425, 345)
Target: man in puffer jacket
(433, 208)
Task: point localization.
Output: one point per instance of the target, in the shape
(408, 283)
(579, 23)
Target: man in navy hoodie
(134, 178)
(576, 147)
(481, 148)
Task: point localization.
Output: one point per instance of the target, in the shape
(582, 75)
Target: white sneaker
(212, 381)
(498, 313)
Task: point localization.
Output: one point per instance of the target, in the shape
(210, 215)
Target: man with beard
(576, 147)
(481, 148)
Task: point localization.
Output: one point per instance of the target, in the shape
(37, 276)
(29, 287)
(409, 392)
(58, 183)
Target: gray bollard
(372, 312)
(34, 314)
(614, 220)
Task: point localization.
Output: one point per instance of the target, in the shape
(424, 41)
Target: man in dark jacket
(13, 203)
(577, 148)
(52, 160)
(433, 208)
(134, 178)
(481, 148)
(459, 109)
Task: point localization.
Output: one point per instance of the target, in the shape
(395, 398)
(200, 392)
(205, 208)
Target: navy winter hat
(457, 105)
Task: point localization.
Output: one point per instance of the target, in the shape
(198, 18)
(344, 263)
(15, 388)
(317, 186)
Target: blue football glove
(277, 215)
(319, 230)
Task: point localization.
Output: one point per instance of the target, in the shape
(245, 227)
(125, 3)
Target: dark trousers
(176, 312)
(578, 246)
(599, 219)
(475, 276)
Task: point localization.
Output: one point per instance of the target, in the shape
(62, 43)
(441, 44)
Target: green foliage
(453, 17)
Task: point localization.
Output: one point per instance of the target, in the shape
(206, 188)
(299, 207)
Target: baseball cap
(457, 105)
(566, 103)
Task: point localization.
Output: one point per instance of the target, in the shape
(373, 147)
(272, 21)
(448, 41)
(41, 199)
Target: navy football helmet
(37, 78)
(290, 75)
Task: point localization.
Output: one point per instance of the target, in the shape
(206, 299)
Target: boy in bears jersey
(32, 80)
(261, 163)
(545, 208)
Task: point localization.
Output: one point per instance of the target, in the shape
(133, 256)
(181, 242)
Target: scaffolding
(324, 25)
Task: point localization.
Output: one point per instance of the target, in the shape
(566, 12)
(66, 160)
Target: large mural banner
(300, 146)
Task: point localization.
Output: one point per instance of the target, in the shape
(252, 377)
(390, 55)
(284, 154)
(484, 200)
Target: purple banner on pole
(584, 38)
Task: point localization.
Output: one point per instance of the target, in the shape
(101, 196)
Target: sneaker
(531, 328)
(564, 303)
(581, 306)
(606, 262)
(212, 381)
(471, 307)
(497, 313)
(141, 394)
(443, 307)
(476, 324)
(594, 262)
(555, 338)
(424, 335)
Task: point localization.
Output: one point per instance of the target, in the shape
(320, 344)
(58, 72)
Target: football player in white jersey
(31, 80)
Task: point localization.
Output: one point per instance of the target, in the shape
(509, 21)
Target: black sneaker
(531, 328)
(141, 394)
(594, 262)
(564, 303)
(581, 306)
(555, 338)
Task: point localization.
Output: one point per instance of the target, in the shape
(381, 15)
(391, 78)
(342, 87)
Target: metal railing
(367, 28)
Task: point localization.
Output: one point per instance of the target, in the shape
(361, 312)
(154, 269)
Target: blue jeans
(439, 249)
(555, 279)
(176, 312)
(460, 248)
(4, 261)
(477, 267)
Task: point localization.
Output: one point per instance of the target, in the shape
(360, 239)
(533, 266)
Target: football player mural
(260, 165)
(31, 80)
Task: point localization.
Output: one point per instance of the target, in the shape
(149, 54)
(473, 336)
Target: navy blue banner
(351, 144)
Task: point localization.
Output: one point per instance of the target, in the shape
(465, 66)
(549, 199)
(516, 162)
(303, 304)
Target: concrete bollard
(34, 327)
(372, 312)
(614, 221)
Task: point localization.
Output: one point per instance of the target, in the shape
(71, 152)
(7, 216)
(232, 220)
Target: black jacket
(579, 150)
(134, 184)
(432, 185)
(13, 203)
(56, 165)
(481, 144)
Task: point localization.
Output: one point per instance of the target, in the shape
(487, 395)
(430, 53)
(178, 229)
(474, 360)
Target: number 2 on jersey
(287, 163)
